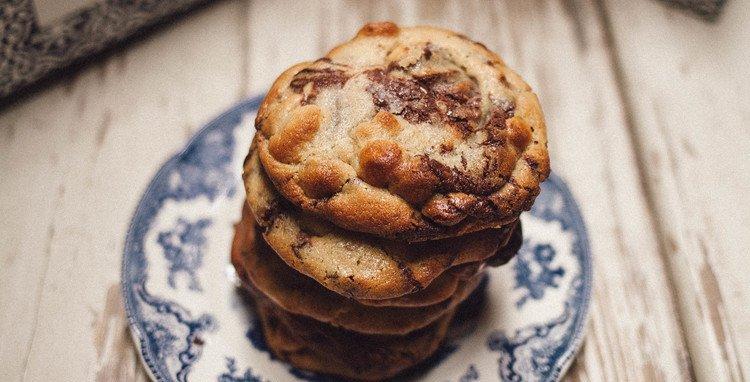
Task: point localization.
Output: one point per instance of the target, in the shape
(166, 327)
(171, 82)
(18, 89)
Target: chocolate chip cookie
(405, 133)
(353, 264)
(260, 268)
(311, 345)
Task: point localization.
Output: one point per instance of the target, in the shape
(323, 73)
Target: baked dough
(260, 269)
(405, 133)
(356, 265)
(311, 345)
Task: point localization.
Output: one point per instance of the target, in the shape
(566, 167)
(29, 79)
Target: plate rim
(252, 104)
(587, 276)
(134, 326)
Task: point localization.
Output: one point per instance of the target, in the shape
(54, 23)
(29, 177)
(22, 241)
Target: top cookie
(406, 133)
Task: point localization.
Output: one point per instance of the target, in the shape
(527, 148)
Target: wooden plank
(75, 160)
(96, 142)
(687, 84)
(633, 333)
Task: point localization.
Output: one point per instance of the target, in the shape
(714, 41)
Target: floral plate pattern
(190, 321)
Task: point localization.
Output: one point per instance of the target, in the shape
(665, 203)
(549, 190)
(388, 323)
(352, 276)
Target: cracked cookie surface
(264, 272)
(356, 265)
(405, 133)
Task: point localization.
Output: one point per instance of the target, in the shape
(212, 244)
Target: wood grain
(560, 48)
(648, 121)
(75, 160)
(687, 84)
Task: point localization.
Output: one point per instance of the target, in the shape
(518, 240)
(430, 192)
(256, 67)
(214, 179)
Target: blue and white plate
(191, 322)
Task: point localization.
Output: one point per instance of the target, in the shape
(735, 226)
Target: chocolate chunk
(453, 180)
(400, 96)
(320, 79)
(441, 97)
(270, 214)
(302, 241)
(496, 127)
(427, 52)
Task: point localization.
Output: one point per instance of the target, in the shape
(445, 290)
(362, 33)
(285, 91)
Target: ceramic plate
(190, 321)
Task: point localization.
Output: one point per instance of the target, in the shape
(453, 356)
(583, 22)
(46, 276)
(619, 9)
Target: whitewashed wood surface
(648, 111)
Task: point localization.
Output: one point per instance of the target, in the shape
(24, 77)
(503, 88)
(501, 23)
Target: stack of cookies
(383, 178)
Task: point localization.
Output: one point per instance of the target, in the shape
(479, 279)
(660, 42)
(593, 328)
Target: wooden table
(648, 111)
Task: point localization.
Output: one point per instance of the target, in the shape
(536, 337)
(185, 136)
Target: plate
(190, 321)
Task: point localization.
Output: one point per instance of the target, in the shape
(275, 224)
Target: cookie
(263, 271)
(353, 264)
(509, 249)
(405, 133)
(314, 346)
(441, 289)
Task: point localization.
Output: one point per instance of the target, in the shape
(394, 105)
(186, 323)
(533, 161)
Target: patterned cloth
(709, 9)
(30, 52)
